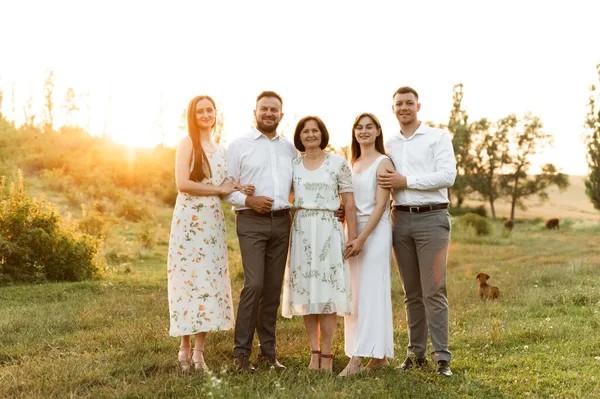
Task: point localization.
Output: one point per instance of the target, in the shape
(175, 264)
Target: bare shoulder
(384, 165)
(185, 143)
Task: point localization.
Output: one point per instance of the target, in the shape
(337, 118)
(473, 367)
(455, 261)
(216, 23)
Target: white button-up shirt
(265, 163)
(427, 160)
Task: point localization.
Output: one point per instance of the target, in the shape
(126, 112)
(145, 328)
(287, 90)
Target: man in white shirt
(425, 168)
(261, 158)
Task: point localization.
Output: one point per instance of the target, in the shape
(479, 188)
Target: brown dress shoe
(243, 365)
(270, 362)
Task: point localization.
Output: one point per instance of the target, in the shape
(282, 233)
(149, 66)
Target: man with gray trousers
(425, 168)
(261, 158)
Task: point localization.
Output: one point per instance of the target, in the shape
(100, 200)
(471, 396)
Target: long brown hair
(201, 168)
(355, 147)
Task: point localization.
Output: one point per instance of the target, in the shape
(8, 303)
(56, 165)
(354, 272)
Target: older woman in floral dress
(317, 281)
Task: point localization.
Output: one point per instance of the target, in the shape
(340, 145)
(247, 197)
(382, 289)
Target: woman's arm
(382, 198)
(350, 212)
(183, 160)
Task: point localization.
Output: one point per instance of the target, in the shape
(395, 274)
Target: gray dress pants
(264, 243)
(421, 249)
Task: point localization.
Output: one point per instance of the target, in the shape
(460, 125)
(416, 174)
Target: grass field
(571, 203)
(109, 337)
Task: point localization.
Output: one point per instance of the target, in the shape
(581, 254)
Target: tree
(107, 116)
(458, 127)
(1, 98)
(489, 157)
(71, 107)
(526, 141)
(12, 98)
(220, 126)
(28, 112)
(49, 101)
(592, 141)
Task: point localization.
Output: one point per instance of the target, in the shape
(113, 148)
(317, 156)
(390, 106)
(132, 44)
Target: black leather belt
(420, 208)
(273, 214)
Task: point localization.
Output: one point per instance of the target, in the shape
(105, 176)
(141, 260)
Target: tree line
(494, 158)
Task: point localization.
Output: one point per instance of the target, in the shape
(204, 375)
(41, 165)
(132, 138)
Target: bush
(482, 226)
(463, 210)
(35, 246)
(93, 222)
(146, 236)
(133, 209)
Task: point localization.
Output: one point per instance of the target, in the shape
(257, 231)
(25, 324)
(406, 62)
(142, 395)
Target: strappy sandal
(326, 356)
(184, 358)
(198, 360)
(318, 352)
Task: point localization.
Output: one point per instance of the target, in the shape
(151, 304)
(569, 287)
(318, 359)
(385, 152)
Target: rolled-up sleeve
(444, 172)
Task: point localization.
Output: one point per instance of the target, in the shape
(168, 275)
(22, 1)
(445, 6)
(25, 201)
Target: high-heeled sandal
(184, 358)
(198, 360)
(326, 356)
(318, 353)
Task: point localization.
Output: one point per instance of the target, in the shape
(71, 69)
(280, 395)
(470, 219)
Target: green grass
(109, 337)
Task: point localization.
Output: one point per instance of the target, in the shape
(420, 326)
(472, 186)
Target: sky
(334, 59)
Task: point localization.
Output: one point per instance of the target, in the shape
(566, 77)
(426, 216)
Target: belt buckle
(410, 209)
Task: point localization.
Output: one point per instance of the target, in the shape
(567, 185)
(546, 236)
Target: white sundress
(369, 331)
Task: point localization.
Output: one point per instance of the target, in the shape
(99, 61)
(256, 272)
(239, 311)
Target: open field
(572, 203)
(109, 337)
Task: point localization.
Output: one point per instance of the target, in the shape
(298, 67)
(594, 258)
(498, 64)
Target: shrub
(463, 210)
(146, 236)
(93, 222)
(482, 226)
(35, 246)
(133, 209)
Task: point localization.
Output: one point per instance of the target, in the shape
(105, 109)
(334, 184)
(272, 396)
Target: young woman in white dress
(369, 330)
(199, 289)
(317, 279)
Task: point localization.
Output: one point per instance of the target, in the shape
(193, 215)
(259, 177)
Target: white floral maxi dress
(198, 276)
(317, 278)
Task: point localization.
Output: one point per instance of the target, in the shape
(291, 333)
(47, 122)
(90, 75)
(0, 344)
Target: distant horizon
(138, 76)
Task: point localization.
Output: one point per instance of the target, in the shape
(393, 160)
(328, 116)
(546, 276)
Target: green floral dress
(317, 279)
(198, 276)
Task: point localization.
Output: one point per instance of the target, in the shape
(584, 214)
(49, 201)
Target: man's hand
(340, 214)
(391, 179)
(260, 204)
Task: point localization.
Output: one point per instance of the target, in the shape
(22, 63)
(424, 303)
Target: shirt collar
(422, 129)
(256, 134)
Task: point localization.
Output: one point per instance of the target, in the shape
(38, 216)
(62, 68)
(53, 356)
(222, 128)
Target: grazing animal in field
(485, 290)
(552, 224)
(508, 225)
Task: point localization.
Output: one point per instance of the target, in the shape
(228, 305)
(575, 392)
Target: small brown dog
(552, 224)
(485, 290)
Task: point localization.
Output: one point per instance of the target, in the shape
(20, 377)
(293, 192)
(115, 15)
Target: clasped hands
(230, 185)
(354, 247)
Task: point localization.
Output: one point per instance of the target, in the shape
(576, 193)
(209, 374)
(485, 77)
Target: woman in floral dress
(198, 278)
(317, 280)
